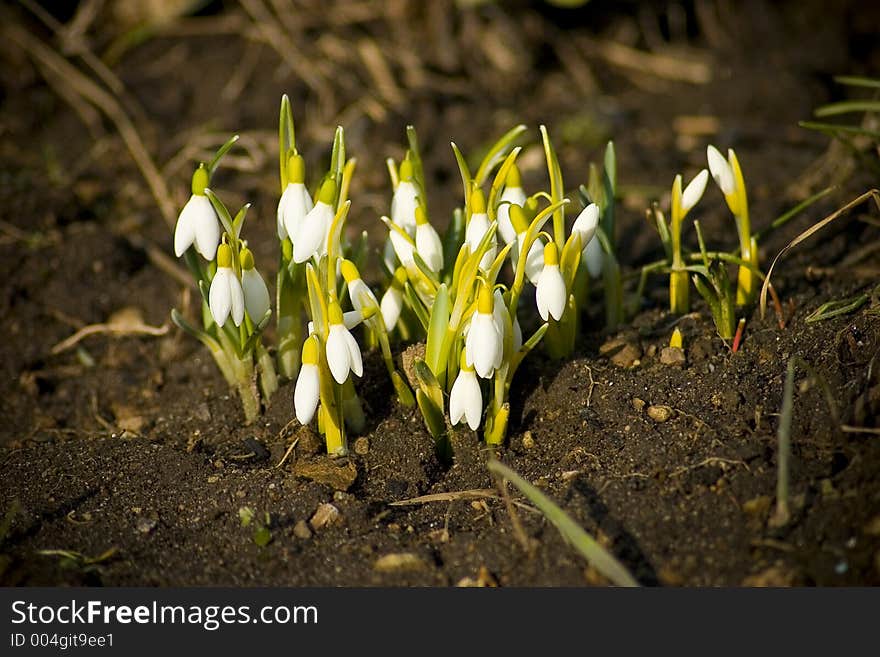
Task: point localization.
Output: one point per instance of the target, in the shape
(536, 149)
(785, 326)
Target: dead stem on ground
(125, 322)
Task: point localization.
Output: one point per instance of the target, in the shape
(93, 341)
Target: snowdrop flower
(350, 319)
(295, 202)
(535, 258)
(694, 191)
(256, 294)
(585, 225)
(484, 345)
(428, 244)
(721, 170)
(498, 316)
(343, 353)
(197, 224)
(593, 256)
(401, 245)
(405, 200)
(476, 229)
(358, 291)
(392, 300)
(226, 296)
(466, 399)
(514, 194)
(551, 294)
(312, 234)
(308, 383)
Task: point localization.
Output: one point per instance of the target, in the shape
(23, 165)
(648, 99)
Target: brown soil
(133, 444)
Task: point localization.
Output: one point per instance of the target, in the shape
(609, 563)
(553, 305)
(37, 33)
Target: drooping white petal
(256, 294)
(483, 345)
(593, 256)
(500, 310)
(306, 393)
(585, 225)
(311, 235)
(391, 306)
(505, 226)
(403, 206)
(354, 353)
(551, 294)
(721, 170)
(476, 229)
(352, 318)
(236, 296)
(360, 294)
(197, 225)
(534, 260)
(429, 246)
(293, 207)
(466, 400)
(389, 255)
(402, 247)
(207, 228)
(220, 295)
(184, 232)
(694, 191)
(517, 336)
(338, 356)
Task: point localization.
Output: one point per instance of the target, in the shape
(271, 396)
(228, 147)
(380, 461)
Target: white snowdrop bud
(225, 296)
(466, 398)
(197, 224)
(551, 295)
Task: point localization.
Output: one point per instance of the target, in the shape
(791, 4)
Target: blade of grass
(783, 511)
(858, 81)
(870, 194)
(598, 556)
(847, 107)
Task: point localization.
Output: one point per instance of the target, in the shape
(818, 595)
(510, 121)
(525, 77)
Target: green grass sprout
(602, 560)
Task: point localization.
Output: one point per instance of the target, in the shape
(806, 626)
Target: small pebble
(146, 525)
(301, 530)
(659, 413)
(362, 446)
(399, 562)
(326, 514)
(638, 404)
(622, 352)
(672, 356)
(528, 440)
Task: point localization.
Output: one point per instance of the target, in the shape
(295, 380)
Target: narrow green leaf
(439, 322)
(466, 180)
(832, 129)
(416, 158)
(858, 81)
(556, 188)
(238, 222)
(223, 150)
(592, 551)
(433, 416)
(496, 152)
(847, 107)
(222, 212)
(416, 306)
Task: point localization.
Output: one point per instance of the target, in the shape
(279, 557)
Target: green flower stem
(290, 325)
(268, 377)
(613, 292)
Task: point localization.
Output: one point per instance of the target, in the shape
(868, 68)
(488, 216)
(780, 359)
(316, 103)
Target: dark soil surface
(128, 451)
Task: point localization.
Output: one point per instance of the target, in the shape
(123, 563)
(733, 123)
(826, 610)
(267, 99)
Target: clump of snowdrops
(509, 257)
